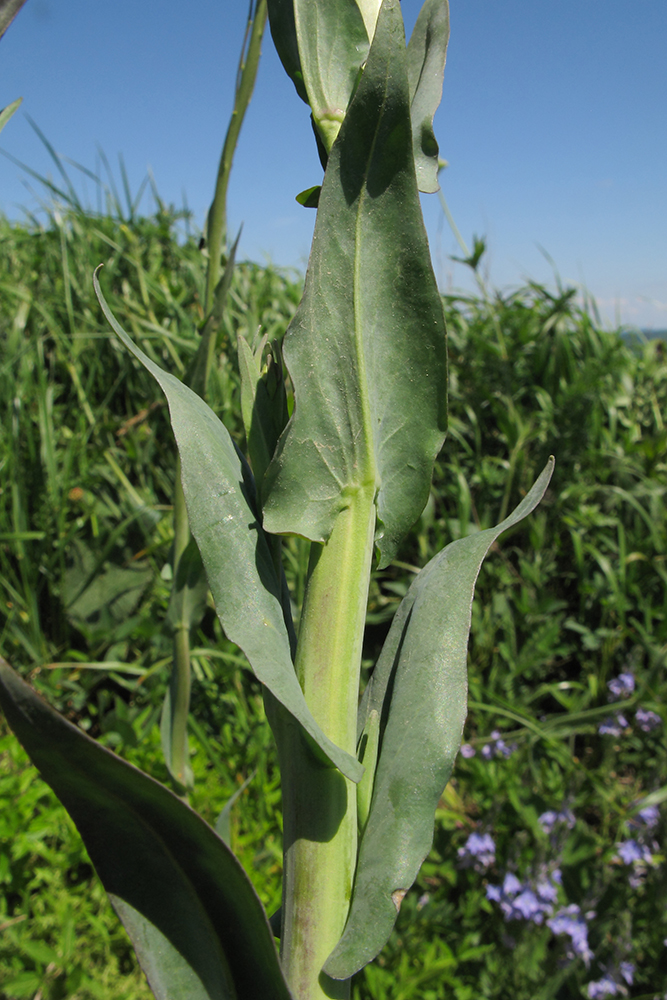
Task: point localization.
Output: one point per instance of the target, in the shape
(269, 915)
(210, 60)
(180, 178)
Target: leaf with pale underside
(219, 494)
(427, 52)
(419, 688)
(366, 350)
(333, 46)
(198, 926)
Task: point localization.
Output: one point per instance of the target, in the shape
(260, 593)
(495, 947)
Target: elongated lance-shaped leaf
(263, 402)
(200, 930)
(366, 349)
(7, 112)
(420, 688)
(427, 52)
(333, 46)
(219, 493)
(8, 11)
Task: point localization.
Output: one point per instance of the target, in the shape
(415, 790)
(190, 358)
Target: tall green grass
(568, 602)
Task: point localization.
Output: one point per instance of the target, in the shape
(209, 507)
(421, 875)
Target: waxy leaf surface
(366, 349)
(419, 687)
(427, 52)
(200, 930)
(219, 494)
(333, 44)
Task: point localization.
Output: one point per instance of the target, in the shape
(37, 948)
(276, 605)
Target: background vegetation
(560, 768)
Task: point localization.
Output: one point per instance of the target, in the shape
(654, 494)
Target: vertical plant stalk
(180, 680)
(216, 224)
(319, 804)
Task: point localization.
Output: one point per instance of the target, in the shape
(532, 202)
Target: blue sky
(553, 121)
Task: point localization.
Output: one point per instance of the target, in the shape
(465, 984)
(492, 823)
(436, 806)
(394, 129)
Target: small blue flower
(479, 848)
(497, 747)
(569, 921)
(628, 972)
(467, 751)
(546, 891)
(548, 820)
(494, 893)
(613, 725)
(511, 885)
(647, 720)
(629, 851)
(649, 815)
(605, 987)
(622, 686)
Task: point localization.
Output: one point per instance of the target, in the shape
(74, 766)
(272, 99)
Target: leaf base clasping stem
(319, 803)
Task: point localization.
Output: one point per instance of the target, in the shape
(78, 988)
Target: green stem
(180, 678)
(319, 804)
(216, 226)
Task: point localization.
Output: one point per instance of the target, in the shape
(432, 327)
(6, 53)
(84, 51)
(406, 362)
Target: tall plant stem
(180, 678)
(319, 804)
(216, 226)
(214, 299)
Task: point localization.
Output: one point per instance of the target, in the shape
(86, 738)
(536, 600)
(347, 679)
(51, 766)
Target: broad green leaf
(7, 112)
(200, 929)
(427, 52)
(219, 494)
(366, 349)
(369, 11)
(333, 46)
(419, 687)
(8, 11)
(263, 402)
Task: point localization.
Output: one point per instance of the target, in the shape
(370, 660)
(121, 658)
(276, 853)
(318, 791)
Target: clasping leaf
(219, 494)
(419, 687)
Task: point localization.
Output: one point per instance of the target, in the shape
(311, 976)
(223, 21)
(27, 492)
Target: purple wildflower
(478, 849)
(613, 725)
(628, 972)
(649, 815)
(622, 686)
(546, 891)
(548, 820)
(497, 747)
(529, 907)
(629, 851)
(423, 900)
(467, 751)
(511, 885)
(605, 987)
(647, 720)
(523, 902)
(569, 921)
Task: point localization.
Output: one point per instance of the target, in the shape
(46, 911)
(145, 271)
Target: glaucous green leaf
(419, 687)
(366, 349)
(333, 46)
(200, 929)
(369, 11)
(219, 494)
(427, 52)
(263, 402)
(8, 11)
